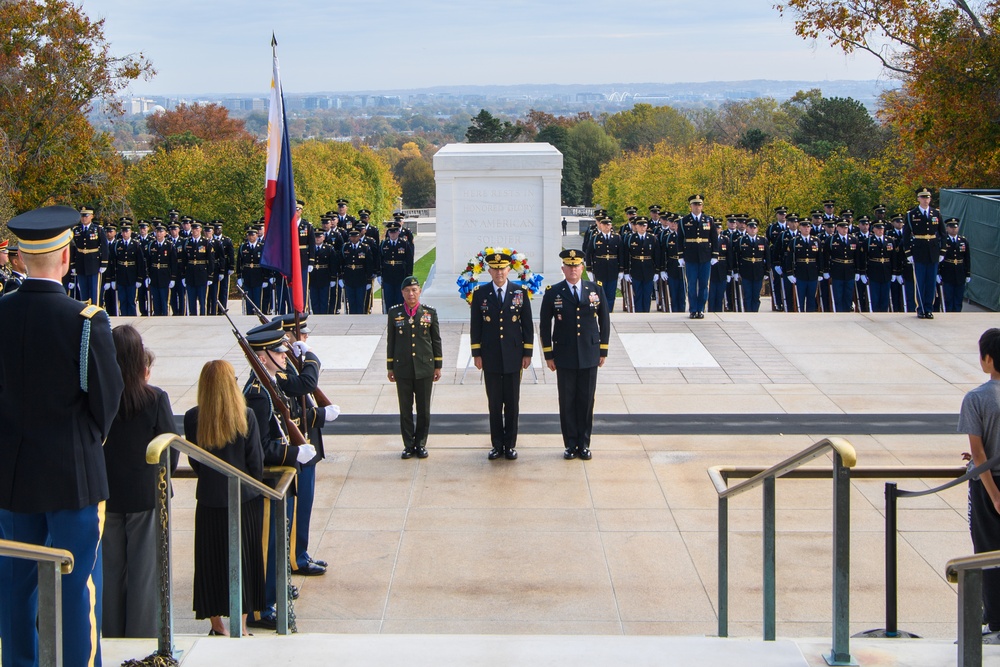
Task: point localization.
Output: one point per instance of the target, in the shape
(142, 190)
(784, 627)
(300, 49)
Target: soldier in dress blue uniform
(60, 389)
(357, 270)
(502, 337)
(208, 233)
(178, 300)
(603, 257)
(720, 272)
(198, 270)
(249, 273)
(144, 238)
(901, 291)
(344, 220)
(90, 256)
(5, 263)
(698, 234)
(130, 270)
(863, 235)
(109, 295)
(413, 363)
(322, 277)
(642, 261)
(842, 266)
(396, 259)
(225, 264)
(161, 267)
(924, 230)
(802, 257)
(752, 256)
(773, 234)
(879, 267)
(575, 329)
(955, 262)
(672, 274)
(405, 232)
(16, 274)
(631, 212)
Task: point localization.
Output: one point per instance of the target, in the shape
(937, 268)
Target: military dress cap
(864, 220)
(342, 202)
(841, 223)
(923, 192)
(44, 229)
(267, 340)
(752, 222)
(144, 223)
(186, 219)
(600, 212)
(195, 225)
(631, 209)
(174, 225)
(126, 225)
(654, 208)
(879, 208)
(571, 257)
(829, 202)
(847, 212)
(217, 222)
(831, 223)
(273, 325)
(331, 214)
(251, 229)
(287, 322)
(897, 218)
(156, 219)
(173, 211)
(125, 218)
(299, 203)
(363, 212)
(409, 281)
(159, 226)
(398, 215)
(951, 222)
(641, 220)
(392, 226)
(354, 232)
(86, 210)
(110, 227)
(878, 225)
(781, 209)
(792, 217)
(696, 199)
(319, 232)
(498, 260)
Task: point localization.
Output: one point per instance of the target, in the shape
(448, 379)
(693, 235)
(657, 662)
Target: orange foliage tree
(208, 122)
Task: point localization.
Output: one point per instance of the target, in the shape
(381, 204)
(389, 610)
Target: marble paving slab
(667, 350)
(344, 353)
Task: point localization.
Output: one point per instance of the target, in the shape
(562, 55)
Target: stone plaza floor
(624, 544)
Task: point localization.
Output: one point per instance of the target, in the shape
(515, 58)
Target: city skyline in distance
(369, 45)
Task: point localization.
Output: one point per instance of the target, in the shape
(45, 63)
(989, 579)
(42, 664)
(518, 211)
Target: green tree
(417, 182)
(328, 170)
(591, 147)
(54, 66)
(487, 128)
(572, 185)
(839, 122)
(753, 140)
(644, 125)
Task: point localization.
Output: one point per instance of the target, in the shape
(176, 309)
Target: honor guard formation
(826, 261)
(182, 266)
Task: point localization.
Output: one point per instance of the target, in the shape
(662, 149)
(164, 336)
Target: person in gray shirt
(980, 420)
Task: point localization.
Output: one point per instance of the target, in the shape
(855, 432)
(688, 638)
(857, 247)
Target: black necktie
(500, 294)
(576, 296)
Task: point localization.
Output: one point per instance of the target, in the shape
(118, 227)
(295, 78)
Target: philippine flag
(281, 220)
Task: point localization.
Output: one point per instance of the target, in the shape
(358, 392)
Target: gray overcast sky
(200, 46)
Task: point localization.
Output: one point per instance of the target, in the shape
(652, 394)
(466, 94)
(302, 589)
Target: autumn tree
(328, 170)
(644, 125)
(945, 54)
(487, 128)
(55, 64)
(205, 122)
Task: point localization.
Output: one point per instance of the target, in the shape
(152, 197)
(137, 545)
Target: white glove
(628, 278)
(714, 261)
(379, 279)
(231, 271)
(738, 277)
(208, 282)
(184, 282)
(147, 282)
(333, 283)
(270, 280)
(779, 270)
(680, 263)
(968, 279)
(220, 277)
(939, 280)
(368, 287)
(339, 282)
(857, 277)
(310, 268)
(910, 259)
(791, 279)
(102, 269)
(663, 276)
(656, 277)
(306, 454)
(114, 285)
(620, 276)
(106, 287)
(171, 284)
(239, 282)
(940, 258)
(729, 278)
(139, 284)
(300, 348)
(71, 285)
(864, 280)
(332, 412)
(826, 276)
(898, 279)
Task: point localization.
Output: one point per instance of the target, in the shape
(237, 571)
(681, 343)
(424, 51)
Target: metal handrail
(158, 452)
(844, 458)
(967, 572)
(52, 564)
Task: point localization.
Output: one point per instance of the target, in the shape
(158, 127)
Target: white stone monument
(505, 195)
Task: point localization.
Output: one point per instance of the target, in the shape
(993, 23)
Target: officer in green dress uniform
(413, 361)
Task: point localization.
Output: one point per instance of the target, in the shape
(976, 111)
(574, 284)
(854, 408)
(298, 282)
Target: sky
(223, 46)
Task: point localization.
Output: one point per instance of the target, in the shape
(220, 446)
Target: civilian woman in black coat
(131, 584)
(223, 426)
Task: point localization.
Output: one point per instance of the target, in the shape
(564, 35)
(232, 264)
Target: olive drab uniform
(413, 353)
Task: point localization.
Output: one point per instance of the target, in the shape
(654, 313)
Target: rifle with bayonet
(321, 400)
(295, 436)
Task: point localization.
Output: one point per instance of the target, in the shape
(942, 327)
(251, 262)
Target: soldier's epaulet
(548, 287)
(89, 311)
(430, 308)
(396, 307)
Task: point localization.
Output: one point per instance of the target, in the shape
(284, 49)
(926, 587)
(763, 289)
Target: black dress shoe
(268, 621)
(407, 454)
(701, 315)
(569, 454)
(510, 454)
(494, 454)
(293, 592)
(321, 563)
(422, 453)
(693, 316)
(929, 316)
(585, 454)
(311, 570)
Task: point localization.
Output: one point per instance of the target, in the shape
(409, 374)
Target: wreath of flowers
(468, 280)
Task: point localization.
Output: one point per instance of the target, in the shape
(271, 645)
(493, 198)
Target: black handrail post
(891, 575)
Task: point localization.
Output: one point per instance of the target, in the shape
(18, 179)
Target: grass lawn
(420, 269)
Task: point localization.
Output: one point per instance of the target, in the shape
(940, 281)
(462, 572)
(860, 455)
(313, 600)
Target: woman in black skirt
(223, 426)
(131, 581)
